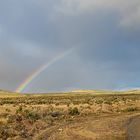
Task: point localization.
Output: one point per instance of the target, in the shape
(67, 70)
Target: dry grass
(66, 116)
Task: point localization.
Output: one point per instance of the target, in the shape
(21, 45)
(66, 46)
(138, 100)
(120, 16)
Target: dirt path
(133, 131)
(111, 127)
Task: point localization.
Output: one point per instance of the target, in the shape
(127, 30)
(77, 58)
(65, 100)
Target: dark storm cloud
(33, 32)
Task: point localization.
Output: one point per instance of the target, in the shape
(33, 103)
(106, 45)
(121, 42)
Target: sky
(104, 34)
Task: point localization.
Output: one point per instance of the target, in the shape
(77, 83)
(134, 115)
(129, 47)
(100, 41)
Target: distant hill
(4, 93)
(95, 91)
(131, 91)
(79, 91)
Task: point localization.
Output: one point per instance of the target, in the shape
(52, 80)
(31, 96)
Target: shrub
(7, 110)
(32, 116)
(130, 109)
(74, 111)
(18, 118)
(57, 104)
(19, 109)
(4, 132)
(55, 114)
(108, 102)
(99, 101)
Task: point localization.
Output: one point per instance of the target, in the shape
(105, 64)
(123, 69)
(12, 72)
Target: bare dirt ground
(70, 117)
(133, 129)
(110, 127)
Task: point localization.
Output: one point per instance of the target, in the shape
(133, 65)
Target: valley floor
(70, 117)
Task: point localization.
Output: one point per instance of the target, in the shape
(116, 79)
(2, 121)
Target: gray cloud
(128, 10)
(33, 32)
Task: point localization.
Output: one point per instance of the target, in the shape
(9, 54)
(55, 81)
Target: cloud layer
(106, 33)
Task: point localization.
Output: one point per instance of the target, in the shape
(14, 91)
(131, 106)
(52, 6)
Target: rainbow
(37, 72)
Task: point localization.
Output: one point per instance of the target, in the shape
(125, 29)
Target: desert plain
(76, 115)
